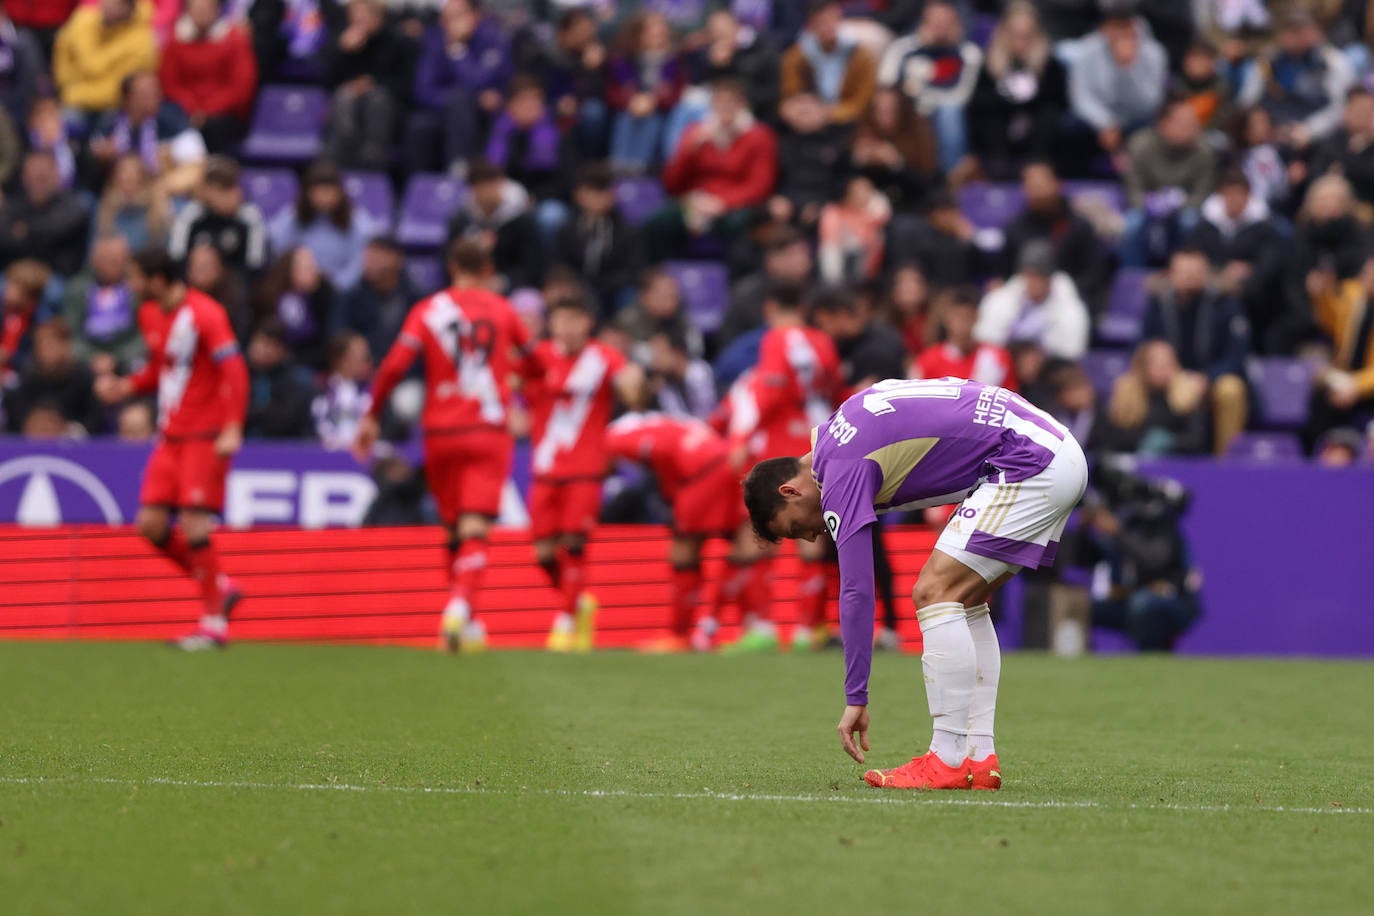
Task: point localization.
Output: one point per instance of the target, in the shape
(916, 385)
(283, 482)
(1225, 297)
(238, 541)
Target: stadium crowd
(1124, 210)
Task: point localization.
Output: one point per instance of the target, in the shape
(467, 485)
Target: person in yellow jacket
(1344, 392)
(98, 47)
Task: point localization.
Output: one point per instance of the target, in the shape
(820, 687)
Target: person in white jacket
(1039, 305)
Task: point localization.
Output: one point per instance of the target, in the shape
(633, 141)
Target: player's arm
(393, 369)
(233, 381)
(856, 632)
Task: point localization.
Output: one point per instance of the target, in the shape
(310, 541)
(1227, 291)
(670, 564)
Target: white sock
(989, 671)
(457, 610)
(563, 623)
(708, 625)
(214, 623)
(950, 669)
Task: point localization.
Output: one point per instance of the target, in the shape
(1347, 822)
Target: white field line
(979, 800)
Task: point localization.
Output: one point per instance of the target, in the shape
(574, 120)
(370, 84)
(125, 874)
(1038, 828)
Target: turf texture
(297, 779)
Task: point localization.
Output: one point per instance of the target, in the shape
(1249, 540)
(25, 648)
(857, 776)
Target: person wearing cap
(220, 217)
(324, 221)
(1301, 82)
(1039, 304)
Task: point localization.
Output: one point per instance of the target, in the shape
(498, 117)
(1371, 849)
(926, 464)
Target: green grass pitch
(296, 779)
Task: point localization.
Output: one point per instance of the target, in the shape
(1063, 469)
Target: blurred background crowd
(1152, 218)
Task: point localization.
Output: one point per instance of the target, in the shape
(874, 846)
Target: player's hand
(368, 432)
(230, 440)
(854, 722)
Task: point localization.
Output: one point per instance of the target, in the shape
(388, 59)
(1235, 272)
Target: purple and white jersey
(906, 445)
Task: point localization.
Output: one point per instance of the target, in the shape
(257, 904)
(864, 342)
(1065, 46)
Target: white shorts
(1002, 527)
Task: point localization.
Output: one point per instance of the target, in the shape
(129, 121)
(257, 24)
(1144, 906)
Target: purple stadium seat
(372, 195)
(638, 198)
(1109, 193)
(757, 14)
(429, 202)
(1104, 367)
(288, 124)
(272, 190)
(426, 273)
(991, 206)
(1282, 388)
(1126, 306)
(1265, 448)
(705, 289)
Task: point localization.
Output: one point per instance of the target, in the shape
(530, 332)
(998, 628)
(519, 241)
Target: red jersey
(793, 389)
(677, 450)
(986, 363)
(13, 326)
(200, 377)
(471, 339)
(571, 397)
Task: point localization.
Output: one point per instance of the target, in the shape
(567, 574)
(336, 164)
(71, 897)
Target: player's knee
(153, 526)
(197, 526)
(473, 526)
(932, 588)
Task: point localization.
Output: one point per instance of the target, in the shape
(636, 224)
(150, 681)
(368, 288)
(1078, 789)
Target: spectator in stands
(1172, 170)
(133, 205)
(645, 80)
(47, 131)
(1331, 239)
(1237, 28)
(300, 298)
(526, 143)
(21, 66)
(732, 50)
(1116, 82)
(906, 308)
(1157, 408)
(136, 422)
(24, 287)
(681, 385)
(496, 214)
(1339, 448)
(324, 221)
(1209, 337)
(658, 310)
(289, 37)
(41, 19)
(1049, 217)
(935, 69)
(1205, 88)
(45, 422)
(786, 260)
(464, 66)
(1238, 236)
(941, 241)
(221, 217)
(11, 149)
(597, 242)
(868, 351)
(724, 165)
(345, 399)
(100, 308)
(1344, 393)
(43, 221)
(852, 233)
(1075, 405)
(209, 70)
(837, 71)
(1301, 82)
(1039, 304)
(97, 49)
(377, 306)
(156, 130)
(207, 272)
(1021, 95)
(894, 146)
(573, 73)
(279, 396)
(55, 378)
(958, 352)
(368, 69)
(1263, 162)
(811, 161)
(1349, 151)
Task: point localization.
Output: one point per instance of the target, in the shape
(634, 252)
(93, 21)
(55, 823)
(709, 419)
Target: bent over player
(202, 392)
(472, 340)
(904, 445)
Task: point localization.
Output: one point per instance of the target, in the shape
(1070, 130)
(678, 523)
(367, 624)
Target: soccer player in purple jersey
(1017, 474)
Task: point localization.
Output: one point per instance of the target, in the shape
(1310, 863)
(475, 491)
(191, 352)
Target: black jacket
(606, 252)
(240, 239)
(1077, 249)
(375, 315)
(1006, 125)
(812, 167)
(944, 259)
(388, 57)
(755, 66)
(71, 390)
(279, 404)
(877, 353)
(1210, 335)
(519, 250)
(54, 233)
(1356, 164)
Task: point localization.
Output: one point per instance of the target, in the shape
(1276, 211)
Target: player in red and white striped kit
(571, 383)
(791, 390)
(472, 341)
(202, 387)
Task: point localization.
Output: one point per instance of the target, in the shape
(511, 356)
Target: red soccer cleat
(986, 773)
(925, 772)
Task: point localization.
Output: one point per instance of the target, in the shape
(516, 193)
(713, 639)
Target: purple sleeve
(856, 613)
(499, 142)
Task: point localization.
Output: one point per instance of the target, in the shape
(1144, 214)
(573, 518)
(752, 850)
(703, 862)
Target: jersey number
(472, 343)
(878, 400)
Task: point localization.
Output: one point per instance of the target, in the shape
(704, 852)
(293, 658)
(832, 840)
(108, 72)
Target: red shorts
(564, 507)
(710, 505)
(467, 471)
(185, 474)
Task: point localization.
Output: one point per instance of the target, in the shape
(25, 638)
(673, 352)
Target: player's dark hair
(155, 262)
(787, 295)
(466, 256)
(761, 496)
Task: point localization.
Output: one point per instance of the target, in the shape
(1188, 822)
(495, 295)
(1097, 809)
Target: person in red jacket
(725, 165)
(202, 386)
(208, 68)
